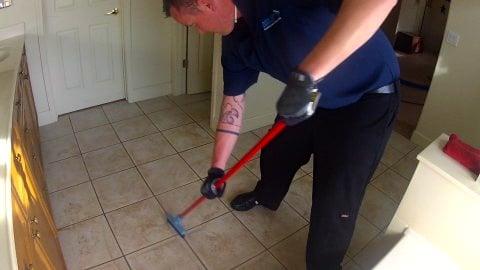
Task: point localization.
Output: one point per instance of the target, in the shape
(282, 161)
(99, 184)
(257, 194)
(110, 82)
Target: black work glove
(208, 188)
(299, 99)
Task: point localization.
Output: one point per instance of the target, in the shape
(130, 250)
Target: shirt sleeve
(237, 75)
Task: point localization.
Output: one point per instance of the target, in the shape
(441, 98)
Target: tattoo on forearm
(228, 131)
(230, 115)
(239, 100)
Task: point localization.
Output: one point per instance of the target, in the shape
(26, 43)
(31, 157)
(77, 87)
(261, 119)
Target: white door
(260, 98)
(84, 53)
(200, 59)
(149, 50)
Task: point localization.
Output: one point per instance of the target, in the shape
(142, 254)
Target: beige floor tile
(139, 225)
(107, 161)
(148, 148)
(59, 149)
(363, 234)
(377, 207)
(406, 167)
(244, 143)
(260, 132)
(134, 128)
(401, 143)
(167, 173)
(88, 118)
(376, 250)
(121, 110)
(243, 181)
(300, 196)
(74, 204)
(198, 110)
(88, 244)
(223, 243)
(308, 168)
(155, 104)
(187, 99)
(187, 137)
(254, 167)
(205, 124)
(391, 184)
(291, 251)
(175, 201)
(264, 261)
(96, 138)
(56, 130)
(271, 226)
(391, 156)
(169, 118)
(381, 168)
(121, 189)
(173, 253)
(200, 159)
(414, 153)
(65, 173)
(118, 264)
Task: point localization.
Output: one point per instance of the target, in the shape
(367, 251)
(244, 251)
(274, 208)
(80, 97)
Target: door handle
(112, 12)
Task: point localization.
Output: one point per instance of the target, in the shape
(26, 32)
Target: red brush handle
(276, 129)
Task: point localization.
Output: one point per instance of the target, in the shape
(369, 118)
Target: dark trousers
(347, 144)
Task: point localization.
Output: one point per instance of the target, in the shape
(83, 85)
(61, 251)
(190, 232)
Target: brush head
(176, 222)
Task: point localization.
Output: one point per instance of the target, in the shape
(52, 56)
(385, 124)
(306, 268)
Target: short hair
(167, 4)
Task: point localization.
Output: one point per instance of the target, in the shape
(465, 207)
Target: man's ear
(205, 5)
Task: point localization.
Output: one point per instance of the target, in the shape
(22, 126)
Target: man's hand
(299, 100)
(208, 188)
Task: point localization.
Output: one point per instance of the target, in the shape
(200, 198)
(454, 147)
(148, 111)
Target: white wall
(453, 102)
(29, 12)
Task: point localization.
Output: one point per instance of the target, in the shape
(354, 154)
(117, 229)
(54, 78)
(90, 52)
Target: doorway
(425, 21)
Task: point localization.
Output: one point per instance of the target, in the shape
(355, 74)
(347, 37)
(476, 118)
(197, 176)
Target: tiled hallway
(114, 170)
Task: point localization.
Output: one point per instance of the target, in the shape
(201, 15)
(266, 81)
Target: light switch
(453, 38)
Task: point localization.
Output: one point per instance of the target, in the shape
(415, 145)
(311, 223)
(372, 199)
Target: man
(333, 46)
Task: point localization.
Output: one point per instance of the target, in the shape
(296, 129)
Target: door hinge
(185, 63)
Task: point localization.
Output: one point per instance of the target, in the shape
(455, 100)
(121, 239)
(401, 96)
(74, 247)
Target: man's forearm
(355, 24)
(228, 129)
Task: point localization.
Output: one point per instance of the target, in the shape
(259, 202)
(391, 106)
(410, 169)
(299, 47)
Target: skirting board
(420, 139)
(47, 117)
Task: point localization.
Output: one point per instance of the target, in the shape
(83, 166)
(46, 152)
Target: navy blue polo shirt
(274, 36)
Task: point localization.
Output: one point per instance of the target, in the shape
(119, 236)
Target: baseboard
(420, 139)
(47, 117)
(148, 92)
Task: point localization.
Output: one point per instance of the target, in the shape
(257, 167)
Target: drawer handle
(34, 220)
(36, 235)
(18, 102)
(27, 131)
(29, 266)
(18, 158)
(34, 156)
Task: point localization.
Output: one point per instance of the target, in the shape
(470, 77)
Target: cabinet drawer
(21, 233)
(46, 250)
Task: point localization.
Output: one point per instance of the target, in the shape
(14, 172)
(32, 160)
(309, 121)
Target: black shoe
(244, 202)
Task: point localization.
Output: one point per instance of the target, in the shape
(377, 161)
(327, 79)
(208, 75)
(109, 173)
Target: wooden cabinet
(36, 241)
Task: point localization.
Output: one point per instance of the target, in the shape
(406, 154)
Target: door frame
(178, 43)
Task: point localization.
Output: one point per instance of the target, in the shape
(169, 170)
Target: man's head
(206, 15)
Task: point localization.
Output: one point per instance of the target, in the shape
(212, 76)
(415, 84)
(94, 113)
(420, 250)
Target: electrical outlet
(453, 38)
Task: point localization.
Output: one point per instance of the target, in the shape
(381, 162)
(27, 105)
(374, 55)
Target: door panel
(200, 60)
(21, 233)
(84, 53)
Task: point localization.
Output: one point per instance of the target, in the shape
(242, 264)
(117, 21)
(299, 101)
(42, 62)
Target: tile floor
(114, 170)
